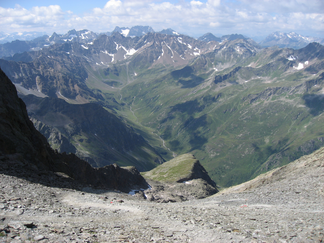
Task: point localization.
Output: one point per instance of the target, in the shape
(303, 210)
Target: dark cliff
(20, 140)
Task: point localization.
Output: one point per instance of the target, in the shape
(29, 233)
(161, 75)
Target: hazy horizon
(194, 18)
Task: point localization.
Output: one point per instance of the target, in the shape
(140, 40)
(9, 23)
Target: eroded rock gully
(45, 207)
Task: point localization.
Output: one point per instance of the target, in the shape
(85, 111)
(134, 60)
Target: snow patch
(111, 55)
(125, 32)
(90, 43)
(117, 46)
(189, 46)
(170, 49)
(180, 41)
(291, 58)
(306, 63)
(300, 66)
(130, 52)
(196, 53)
(85, 47)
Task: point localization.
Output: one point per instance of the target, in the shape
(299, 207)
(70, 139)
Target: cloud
(214, 3)
(285, 6)
(19, 18)
(196, 3)
(113, 4)
(194, 17)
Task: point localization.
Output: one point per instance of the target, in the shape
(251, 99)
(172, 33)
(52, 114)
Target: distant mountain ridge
(25, 36)
(290, 40)
(136, 31)
(51, 64)
(32, 41)
(209, 37)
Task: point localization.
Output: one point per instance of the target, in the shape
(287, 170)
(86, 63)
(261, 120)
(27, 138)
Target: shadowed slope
(22, 143)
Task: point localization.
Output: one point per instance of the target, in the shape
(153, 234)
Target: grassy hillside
(261, 113)
(240, 109)
(173, 170)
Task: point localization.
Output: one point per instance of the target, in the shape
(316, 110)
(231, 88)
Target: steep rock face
(18, 135)
(21, 140)
(51, 75)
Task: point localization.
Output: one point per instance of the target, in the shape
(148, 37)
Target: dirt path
(287, 207)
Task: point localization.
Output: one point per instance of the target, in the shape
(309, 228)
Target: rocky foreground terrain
(284, 205)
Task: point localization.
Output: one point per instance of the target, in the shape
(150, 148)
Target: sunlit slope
(174, 170)
(262, 111)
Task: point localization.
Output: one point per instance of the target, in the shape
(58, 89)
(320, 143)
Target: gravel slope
(285, 205)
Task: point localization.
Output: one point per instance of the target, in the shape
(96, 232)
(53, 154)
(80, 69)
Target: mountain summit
(135, 31)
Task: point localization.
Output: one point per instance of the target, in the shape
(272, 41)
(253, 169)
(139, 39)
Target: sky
(252, 18)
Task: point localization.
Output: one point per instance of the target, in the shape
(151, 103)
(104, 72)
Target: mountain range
(289, 40)
(240, 108)
(11, 44)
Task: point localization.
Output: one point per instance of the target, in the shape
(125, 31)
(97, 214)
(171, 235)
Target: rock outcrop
(180, 179)
(21, 142)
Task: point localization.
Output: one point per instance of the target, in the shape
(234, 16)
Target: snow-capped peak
(125, 32)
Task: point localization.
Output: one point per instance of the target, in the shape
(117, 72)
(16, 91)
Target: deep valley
(240, 108)
(161, 137)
